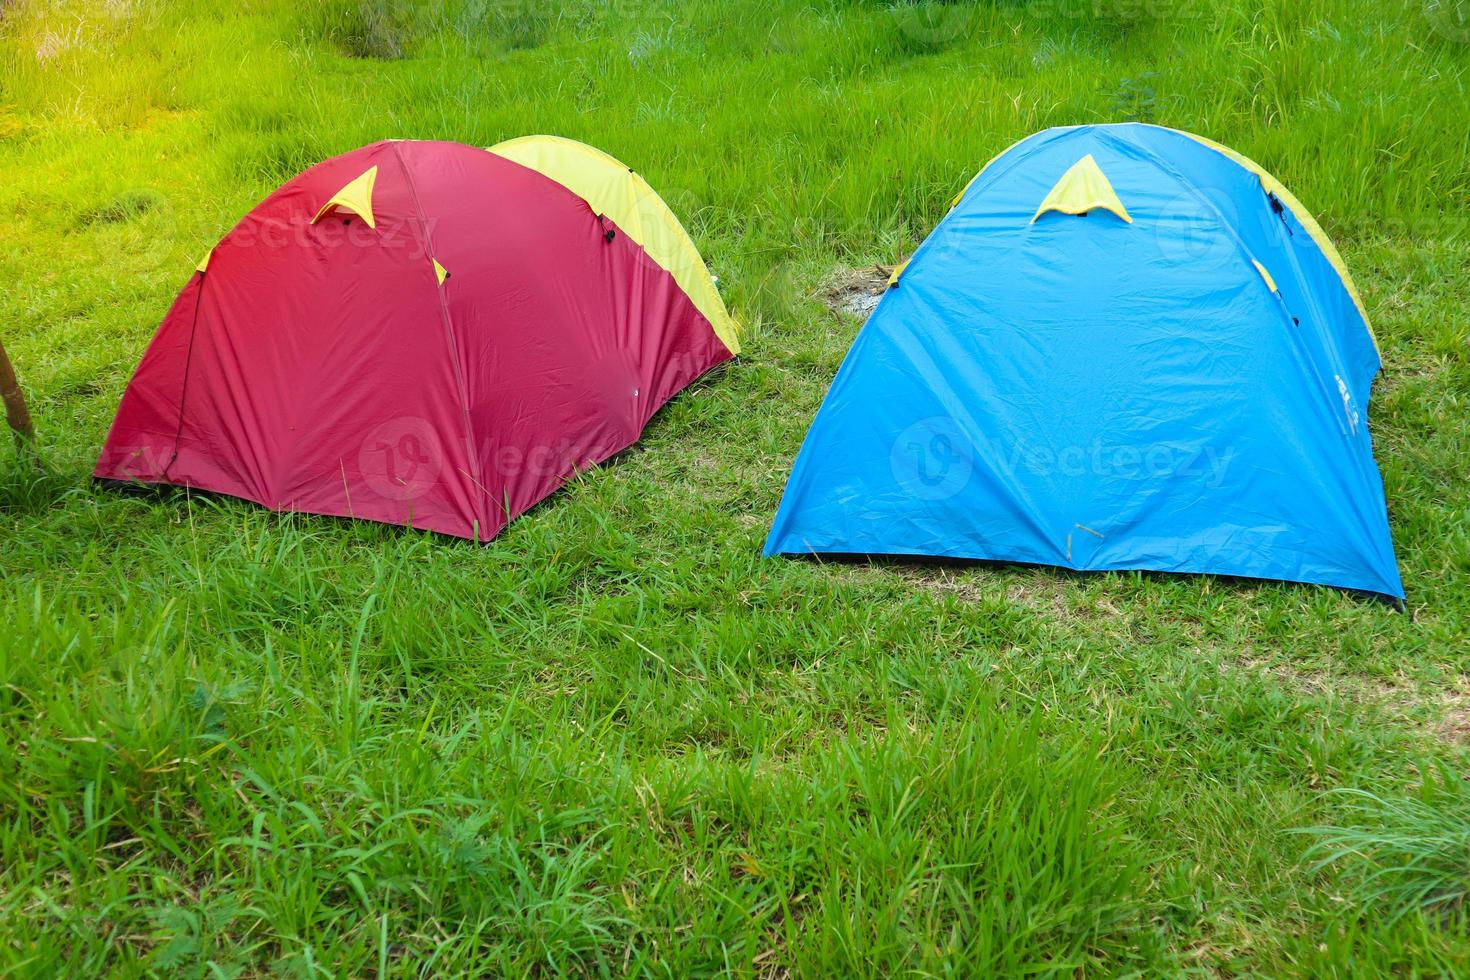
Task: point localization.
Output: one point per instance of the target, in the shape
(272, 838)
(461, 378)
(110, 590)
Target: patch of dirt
(1453, 703)
(943, 580)
(1046, 594)
(1436, 711)
(1456, 724)
(1041, 590)
(1398, 696)
(856, 291)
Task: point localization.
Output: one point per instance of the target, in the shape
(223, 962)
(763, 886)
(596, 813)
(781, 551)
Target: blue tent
(1125, 347)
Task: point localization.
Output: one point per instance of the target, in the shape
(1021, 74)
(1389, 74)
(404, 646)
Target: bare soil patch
(856, 292)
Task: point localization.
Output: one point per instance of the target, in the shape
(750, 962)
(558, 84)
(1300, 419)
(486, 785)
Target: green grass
(616, 740)
(1416, 850)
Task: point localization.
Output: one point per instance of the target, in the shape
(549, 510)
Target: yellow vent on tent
(1270, 283)
(1082, 189)
(204, 262)
(1274, 186)
(439, 272)
(356, 197)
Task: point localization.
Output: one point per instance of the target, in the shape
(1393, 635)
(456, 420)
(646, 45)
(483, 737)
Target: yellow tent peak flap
(356, 197)
(1083, 188)
(439, 272)
(204, 262)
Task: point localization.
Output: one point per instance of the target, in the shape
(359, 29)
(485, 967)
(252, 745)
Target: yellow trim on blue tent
(961, 195)
(1302, 215)
(1270, 283)
(954, 203)
(1271, 185)
(356, 197)
(898, 271)
(1083, 188)
(612, 189)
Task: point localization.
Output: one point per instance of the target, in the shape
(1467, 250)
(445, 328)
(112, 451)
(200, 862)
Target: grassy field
(616, 740)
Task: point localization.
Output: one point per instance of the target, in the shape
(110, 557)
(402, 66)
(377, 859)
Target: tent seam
(1244, 251)
(1309, 224)
(448, 323)
(184, 385)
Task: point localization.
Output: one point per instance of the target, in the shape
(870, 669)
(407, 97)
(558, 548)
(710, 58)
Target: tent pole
(15, 402)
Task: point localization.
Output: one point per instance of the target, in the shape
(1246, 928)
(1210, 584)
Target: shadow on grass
(1234, 583)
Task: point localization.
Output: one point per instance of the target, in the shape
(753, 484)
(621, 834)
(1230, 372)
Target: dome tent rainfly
(1125, 347)
(426, 334)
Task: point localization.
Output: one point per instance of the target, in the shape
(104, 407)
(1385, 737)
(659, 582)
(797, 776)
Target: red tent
(424, 333)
